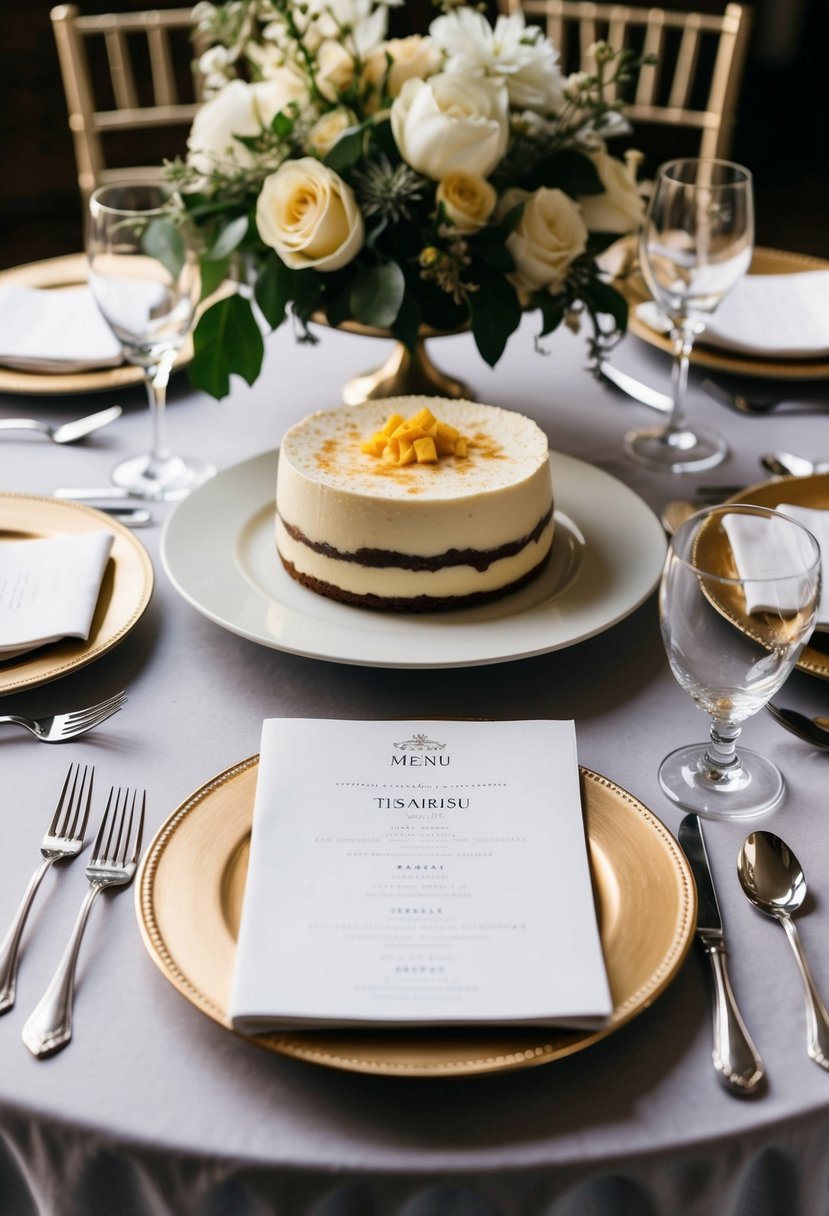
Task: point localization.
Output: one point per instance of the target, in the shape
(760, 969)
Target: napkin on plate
(54, 331)
(761, 545)
(49, 589)
(782, 316)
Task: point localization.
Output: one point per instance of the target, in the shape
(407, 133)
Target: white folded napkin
(49, 589)
(54, 331)
(782, 316)
(765, 548)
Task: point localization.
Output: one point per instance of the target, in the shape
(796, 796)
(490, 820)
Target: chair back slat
(682, 88)
(130, 43)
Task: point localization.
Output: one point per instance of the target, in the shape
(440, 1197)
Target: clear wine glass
(695, 245)
(737, 604)
(144, 275)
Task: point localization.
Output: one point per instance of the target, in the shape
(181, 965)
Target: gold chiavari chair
(141, 79)
(699, 59)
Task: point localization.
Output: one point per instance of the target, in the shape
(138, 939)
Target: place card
(418, 872)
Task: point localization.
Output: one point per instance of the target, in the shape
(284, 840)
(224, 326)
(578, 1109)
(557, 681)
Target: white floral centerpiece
(449, 180)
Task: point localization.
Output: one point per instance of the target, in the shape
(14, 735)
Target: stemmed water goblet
(144, 275)
(695, 246)
(737, 603)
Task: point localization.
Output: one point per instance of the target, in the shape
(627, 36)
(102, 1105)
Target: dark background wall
(782, 130)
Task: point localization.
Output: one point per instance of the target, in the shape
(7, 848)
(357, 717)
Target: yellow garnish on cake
(421, 439)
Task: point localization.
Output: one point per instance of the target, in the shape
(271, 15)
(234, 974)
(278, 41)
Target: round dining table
(154, 1109)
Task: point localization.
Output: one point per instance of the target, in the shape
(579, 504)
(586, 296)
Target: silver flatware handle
(23, 424)
(817, 1018)
(82, 493)
(49, 1026)
(735, 1057)
(10, 947)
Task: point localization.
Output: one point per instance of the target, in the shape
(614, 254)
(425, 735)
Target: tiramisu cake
(416, 503)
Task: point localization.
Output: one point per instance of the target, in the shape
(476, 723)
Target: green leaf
(377, 293)
(212, 274)
(227, 339)
(496, 313)
(570, 171)
(382, 140)
(552, 309)
(282, 125)
(407, 322)
(228, 239)
(601, 297)
(163, 241)
(347, 151)
(274, 290)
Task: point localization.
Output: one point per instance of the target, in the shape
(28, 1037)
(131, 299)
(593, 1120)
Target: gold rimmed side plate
(189, 898)
(800, 492)
(126, 587)
(54, 273)
(764, 261)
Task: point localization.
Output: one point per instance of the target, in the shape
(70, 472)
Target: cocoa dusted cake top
(332, 447)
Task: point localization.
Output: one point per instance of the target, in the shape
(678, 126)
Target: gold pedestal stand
(405, 373)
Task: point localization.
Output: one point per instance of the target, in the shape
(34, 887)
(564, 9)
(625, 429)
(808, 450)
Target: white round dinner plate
(219, 550)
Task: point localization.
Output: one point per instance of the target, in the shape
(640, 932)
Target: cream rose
(309, 215)
(328, 129)
(549, 236)
(451, 124)
(415, 57)
(621, 207)
(468, 201)
(334, 71)
(238, 109)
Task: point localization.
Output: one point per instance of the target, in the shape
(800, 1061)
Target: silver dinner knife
(643, 393)
(735, 1057)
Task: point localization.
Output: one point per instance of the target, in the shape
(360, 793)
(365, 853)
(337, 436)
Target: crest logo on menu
(420, 752)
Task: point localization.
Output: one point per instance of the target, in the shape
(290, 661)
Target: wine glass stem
(156, 379)
(682, 341)
(721, 753)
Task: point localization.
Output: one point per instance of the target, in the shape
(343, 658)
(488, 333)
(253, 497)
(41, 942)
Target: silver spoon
(786, 464)
(68, 432)
(764, 405)
(811, 730)
(773, 879)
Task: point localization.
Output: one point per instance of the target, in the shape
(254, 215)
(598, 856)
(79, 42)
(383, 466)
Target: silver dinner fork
(113, 864)
(61, 727)
(64, 838)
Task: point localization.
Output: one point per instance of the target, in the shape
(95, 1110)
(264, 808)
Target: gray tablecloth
(153, 1109)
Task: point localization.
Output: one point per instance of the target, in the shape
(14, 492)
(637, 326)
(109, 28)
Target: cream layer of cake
(355, 528)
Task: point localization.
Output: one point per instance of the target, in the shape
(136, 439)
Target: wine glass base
(162, 480)
(676, 451)
(753, 787)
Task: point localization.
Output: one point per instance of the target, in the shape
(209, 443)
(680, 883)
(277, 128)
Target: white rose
(451, 124)
(238, 109)
(549, 236)
(620, 208)
(308, 214)
(468, 201)
(328, 129)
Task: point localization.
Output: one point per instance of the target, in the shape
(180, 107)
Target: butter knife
(735, 1057)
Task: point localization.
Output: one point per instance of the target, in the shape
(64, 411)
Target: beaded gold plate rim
(126, 588)
(188, 897)
(764, 261)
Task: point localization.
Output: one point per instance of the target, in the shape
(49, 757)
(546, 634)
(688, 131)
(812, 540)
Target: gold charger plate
(68, 271)
(189, 898)
(764, 261)
(801, 492)
(125, 590)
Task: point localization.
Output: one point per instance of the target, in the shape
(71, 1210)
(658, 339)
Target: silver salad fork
(64, 839)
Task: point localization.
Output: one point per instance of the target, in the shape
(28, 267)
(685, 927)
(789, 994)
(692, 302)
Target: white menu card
(418, 872)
